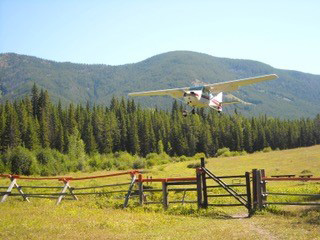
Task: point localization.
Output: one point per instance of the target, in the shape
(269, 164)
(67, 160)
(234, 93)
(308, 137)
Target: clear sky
(284, 34)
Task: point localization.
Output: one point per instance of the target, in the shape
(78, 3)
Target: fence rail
(261, 193)
(252, 192)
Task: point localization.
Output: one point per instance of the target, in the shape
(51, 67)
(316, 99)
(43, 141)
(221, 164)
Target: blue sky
(284, 34)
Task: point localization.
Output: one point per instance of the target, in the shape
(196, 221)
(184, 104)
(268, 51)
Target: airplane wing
(234, 85)
(175, 92)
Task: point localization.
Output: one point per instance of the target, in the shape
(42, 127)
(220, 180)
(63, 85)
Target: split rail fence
(204, 189)
(67, 192)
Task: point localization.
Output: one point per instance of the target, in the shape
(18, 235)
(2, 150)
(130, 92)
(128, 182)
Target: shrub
(267, 149)
(123, 160)
(22, 161)
(222, 151)
(2, 167)
(139, 164)
(96, 161)
(157, 159)
(234, 153)
(183, 158)
(107, 164)
(226, 154)
(194, 165)
(50, 162)
(199, 155)
(243, 152)
(76, 152)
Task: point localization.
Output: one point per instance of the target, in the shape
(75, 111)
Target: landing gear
(185, 112)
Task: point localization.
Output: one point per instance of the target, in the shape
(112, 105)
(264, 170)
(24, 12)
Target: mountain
(293, 95)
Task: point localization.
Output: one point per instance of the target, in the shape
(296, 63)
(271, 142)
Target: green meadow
(101, 216)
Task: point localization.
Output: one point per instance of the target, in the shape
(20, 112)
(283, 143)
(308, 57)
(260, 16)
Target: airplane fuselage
(196, 97)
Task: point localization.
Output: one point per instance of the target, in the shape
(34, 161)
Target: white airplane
(208, 95)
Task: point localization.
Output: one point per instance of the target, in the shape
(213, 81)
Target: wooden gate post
(254, 189)
(249, 202)
(165, 193)
(263, 187)
(257, 189)
(140, 185)
(204, 185)
(199, 188)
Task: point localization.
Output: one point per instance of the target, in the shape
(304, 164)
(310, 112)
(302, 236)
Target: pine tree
(34, 99)
(11, 133)
(31, 140)
(88, 137)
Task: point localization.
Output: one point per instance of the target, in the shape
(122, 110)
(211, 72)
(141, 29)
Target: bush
(2, 167)
(226, 154)
(157, 159)
(234, 153)
(222, 151)
(108, 164)
(243, 152)
(194, 165)
(199, 155)
(123, 160)
(22, 161)
(50, 162)
(139, 164)
(267, 149)
(183, 158)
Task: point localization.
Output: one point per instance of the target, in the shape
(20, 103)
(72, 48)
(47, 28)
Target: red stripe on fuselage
(216, 102)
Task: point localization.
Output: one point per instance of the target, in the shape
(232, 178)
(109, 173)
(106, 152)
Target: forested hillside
(293, 95)
(123, 126)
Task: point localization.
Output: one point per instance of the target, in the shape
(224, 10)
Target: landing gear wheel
(184, 113)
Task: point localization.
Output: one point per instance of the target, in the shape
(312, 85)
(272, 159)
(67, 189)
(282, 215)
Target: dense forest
(35, 123)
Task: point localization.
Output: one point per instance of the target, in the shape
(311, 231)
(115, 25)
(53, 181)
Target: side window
(205, 93)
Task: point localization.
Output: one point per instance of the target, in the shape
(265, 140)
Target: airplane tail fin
(218, 97)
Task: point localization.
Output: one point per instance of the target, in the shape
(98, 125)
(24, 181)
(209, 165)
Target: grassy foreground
(95, 217)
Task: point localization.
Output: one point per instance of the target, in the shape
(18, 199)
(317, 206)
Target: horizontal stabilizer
(234, 100)
(229, 102)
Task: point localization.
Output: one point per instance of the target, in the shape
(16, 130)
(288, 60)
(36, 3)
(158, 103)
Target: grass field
(100, 218)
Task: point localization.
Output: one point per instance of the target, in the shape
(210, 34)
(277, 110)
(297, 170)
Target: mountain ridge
(294, 94)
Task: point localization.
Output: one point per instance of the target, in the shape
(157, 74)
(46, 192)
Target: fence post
(254, 189)
(199, 189)
(63, 192)
(257, 189)
(133, 180)
(204, 185)
(11, 186)
(140, 185)
(249, 202)
(165, 195)
(263, 187)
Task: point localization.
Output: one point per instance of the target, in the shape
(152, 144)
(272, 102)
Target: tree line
(35, 122)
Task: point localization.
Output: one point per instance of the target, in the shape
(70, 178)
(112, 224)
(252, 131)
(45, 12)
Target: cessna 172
(208, 95)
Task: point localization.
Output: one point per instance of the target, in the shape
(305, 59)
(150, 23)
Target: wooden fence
(66, 190)
(205, 187)
(261, 192)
